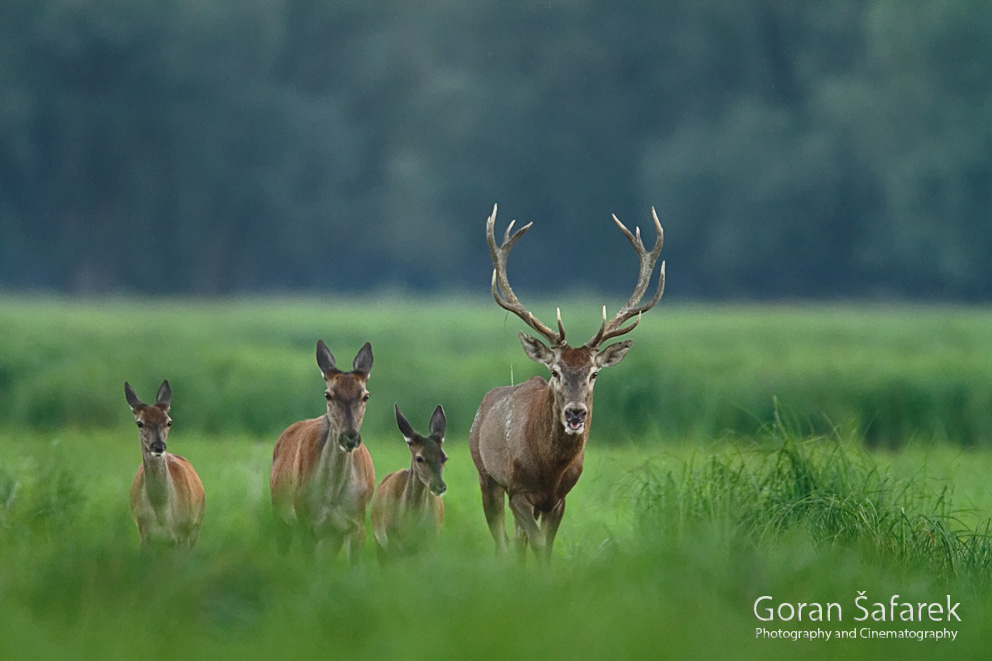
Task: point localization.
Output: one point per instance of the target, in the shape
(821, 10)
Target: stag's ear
(536, 350)
(363, 361)
(325, 359)
(438, 423)
(164, 397)
(613, 354)
(132, 398)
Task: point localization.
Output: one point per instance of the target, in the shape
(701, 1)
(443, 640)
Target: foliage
(247, 366)
(837, 148)
(826, 490)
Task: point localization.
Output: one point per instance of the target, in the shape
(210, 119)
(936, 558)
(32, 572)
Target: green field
(797, 452)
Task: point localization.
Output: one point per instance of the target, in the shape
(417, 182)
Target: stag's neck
(157, 482)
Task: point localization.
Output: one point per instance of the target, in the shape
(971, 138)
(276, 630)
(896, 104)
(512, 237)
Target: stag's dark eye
(555, 374)
(328, 396)
(592, 377)
(169, 423)
(420, 459)
(444, 459)
(366, 397)
(140, 424)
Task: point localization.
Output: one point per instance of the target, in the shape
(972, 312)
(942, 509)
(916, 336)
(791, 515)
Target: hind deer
(528, 440)
(167, 498)
(407, 510)
(322, 475)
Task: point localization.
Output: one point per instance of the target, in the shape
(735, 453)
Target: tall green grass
(658, 558)
(891, 374)
(824, 489)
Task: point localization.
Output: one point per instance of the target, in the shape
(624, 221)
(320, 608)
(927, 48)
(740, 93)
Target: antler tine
(501, 289)
(614, 327)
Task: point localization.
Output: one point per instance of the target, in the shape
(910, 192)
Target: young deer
(528, 440)
(322, 475)
(407, 510)
(167, 498)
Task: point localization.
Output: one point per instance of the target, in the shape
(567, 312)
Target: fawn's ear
(132, 398)
(164, 397)
(536, 350)
(405, 427)
(325, 360)
(363, 361)
(438, 423)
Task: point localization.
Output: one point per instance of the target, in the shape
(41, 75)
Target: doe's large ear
(325, 360)
(363, 361)
(164, 397)
(536, 350)
(132, 398)
(613, 354)
(405, 428)
(438, 423)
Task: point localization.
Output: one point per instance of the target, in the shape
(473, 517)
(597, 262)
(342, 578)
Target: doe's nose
(350, 440)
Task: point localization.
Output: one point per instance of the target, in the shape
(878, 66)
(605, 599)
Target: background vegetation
(832, 149)
(893, 375)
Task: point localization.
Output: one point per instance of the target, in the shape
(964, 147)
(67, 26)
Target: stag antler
(502, 291)
(615, 327)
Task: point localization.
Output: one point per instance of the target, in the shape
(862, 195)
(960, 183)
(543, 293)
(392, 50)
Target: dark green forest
(829, 149)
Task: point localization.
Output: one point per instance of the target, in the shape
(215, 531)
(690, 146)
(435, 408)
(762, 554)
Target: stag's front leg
(523, 514)
(494, 506)
(549, 524)
(521, 540)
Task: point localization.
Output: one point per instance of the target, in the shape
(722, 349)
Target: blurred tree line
(839, 148)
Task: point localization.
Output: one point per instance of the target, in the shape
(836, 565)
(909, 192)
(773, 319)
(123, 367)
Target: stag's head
(152, 419)
(346, 394)
(574, 369)
(428, 457)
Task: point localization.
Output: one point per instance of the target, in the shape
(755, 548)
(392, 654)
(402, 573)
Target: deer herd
(527, 442)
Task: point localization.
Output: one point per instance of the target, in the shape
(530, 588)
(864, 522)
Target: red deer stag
(407, 510)
(322, 476)
(167, 498)
(527, 440)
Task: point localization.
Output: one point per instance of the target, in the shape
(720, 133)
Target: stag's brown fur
(528, 440)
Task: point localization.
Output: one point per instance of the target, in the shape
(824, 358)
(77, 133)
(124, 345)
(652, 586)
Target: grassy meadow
(797, 452)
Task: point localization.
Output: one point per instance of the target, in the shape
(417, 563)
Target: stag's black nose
(575, 415)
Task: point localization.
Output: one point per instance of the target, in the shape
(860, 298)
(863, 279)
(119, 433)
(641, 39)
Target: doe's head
(346, 393)
(152, 419)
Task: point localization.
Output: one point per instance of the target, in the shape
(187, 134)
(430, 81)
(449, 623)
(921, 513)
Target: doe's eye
(140, 424)
(555, 374)
(169, 423)
(420, 460)
(365, 398)
(328, 396)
